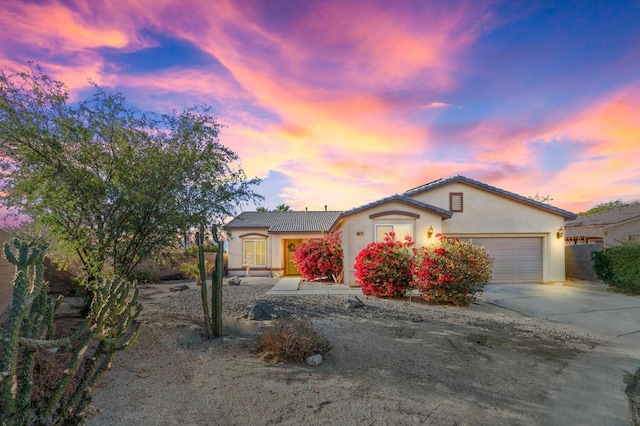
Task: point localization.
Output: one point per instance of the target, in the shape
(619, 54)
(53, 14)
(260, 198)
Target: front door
(290, 247)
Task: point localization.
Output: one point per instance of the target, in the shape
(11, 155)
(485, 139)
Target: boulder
(261, 311)
(233, 281)
(182, 287)
(354, 303)
(314, 360)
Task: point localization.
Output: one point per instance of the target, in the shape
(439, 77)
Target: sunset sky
(343, 102)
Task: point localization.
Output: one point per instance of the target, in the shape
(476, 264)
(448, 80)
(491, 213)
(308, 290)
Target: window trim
(392, 225)
(255, 252)
(451, 198)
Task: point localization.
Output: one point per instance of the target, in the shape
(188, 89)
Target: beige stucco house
(610, 228)
(522, 235)
(264, 242)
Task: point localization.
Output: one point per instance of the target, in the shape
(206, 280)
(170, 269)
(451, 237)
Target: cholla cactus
(110, 327)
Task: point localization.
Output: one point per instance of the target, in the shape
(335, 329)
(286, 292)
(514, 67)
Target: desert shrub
(383, 269)
(451, 272)
(619, 267)
(208, 248)
(320, 258)
(192, 269)
(291, 340)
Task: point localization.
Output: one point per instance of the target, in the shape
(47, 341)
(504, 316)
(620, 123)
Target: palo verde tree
(107, 182)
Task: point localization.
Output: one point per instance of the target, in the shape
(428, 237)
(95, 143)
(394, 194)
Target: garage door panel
(514, 259)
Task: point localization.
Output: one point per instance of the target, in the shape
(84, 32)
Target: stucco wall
(618, 234)
(275, 250)
(487, 214)
(359, 230)
(7, 273)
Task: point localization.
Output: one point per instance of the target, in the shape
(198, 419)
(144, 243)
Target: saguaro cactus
(110, 326)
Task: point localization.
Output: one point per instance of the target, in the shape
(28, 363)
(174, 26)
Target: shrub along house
(525, 237)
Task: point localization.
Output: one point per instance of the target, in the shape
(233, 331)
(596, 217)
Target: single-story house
(264, 242)
(524, 236)
(611, 227)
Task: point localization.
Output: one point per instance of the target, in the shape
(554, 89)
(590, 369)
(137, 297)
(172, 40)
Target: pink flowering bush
(451, 272)
(383, 269)
(319, 259)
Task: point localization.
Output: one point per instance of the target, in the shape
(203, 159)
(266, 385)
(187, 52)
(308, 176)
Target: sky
(341, 103)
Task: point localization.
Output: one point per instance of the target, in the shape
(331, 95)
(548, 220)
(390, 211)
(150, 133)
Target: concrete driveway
(591, 389)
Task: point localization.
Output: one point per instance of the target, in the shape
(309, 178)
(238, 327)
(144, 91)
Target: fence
(578, 263)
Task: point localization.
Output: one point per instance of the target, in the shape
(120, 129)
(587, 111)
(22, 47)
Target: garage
(515, 260)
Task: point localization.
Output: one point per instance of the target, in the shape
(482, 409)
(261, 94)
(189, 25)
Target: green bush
(208, 248)
(619, 267)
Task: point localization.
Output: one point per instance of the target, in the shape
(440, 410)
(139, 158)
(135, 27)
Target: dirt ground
(393, 363)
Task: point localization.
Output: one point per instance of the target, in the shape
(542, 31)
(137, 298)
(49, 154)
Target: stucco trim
(394, 212)
(253, 234)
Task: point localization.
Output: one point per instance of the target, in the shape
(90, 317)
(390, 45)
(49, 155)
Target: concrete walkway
(290, 286)
(591, 389)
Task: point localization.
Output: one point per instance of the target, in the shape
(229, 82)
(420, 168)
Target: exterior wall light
(430, 232)
(560, 232)
(359, 233)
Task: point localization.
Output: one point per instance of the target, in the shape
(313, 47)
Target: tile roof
(440, 182)
(402, 199)
(293, 221)
(607, 218)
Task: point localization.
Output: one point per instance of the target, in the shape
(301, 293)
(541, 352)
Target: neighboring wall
(578, 261)
(7, 272)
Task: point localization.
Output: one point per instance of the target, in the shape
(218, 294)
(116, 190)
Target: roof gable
(445, 214)
(483, 186)
(282, 222)
(609, 217)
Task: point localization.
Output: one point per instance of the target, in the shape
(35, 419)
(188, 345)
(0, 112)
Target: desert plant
(320, 258)
(383, 269)
(291, 340)
(619, 267)
(110, 326)
(451, 272)
(192, 269)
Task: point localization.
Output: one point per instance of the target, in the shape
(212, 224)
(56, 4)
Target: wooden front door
(290, 246)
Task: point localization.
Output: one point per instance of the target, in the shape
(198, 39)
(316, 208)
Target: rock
(261, 311)
(314, 360)
(182, 287)
(233, 281)
(354, 303)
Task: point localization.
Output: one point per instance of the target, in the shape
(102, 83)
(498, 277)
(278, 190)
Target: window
(400, 229)
(455, 201)
(255, 253)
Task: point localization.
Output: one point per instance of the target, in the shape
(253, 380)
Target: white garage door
(514, 259)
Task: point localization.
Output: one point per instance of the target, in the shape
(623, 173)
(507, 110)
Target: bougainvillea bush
(451, 272)
(319, 259)
(383, 269)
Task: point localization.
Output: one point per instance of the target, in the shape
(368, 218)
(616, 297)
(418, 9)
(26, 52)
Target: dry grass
(291, 340)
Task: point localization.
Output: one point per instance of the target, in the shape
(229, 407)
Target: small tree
(110, 184)
(384, 268)
(451, 272)
(282, 208)
(321, 258)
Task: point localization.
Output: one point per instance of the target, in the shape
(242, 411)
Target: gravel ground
(393, 362)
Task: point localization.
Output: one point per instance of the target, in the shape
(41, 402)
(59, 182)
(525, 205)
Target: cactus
(203, 280)
(110, 326)
(216, 286)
